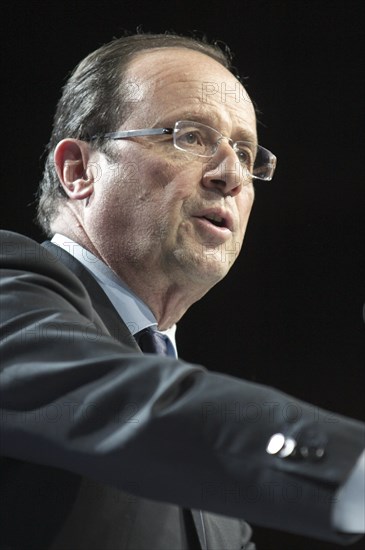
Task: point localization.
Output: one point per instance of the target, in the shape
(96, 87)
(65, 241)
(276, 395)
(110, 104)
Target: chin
(209, 274)
(205, 270)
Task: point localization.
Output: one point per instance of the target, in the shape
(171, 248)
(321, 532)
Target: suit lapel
(200, 528)
(118, 329)
(101, 303)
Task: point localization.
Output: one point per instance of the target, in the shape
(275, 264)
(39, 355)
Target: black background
(290, 312)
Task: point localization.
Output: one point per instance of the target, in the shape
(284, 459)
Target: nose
(224, 172)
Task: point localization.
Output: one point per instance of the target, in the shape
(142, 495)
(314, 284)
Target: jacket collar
(101, 303)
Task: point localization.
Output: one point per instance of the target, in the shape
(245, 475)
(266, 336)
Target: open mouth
(216, 217)
(216, 220)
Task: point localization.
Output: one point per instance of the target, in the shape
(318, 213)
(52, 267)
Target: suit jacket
(105, 448)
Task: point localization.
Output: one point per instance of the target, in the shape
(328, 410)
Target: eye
(195, 139)
(191, 138)
(245, 155)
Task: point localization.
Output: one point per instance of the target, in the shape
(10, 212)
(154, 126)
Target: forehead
(173, 83)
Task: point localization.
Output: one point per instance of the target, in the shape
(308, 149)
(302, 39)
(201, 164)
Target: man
(149, 174)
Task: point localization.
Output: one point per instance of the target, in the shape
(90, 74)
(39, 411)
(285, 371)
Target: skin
(144, 215)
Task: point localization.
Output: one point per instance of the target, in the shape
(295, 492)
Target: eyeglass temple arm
(135, 133)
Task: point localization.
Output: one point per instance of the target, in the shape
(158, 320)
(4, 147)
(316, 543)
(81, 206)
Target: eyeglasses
(203, 141)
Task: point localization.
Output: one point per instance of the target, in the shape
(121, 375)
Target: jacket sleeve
(74, 398)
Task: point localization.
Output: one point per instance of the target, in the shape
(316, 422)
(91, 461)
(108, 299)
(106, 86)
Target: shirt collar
(134, 312)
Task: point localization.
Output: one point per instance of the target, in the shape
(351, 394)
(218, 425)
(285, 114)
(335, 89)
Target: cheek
(174, 166)
(148, 192)
(183, 181)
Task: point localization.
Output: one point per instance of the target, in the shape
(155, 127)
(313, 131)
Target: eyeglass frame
(125, 134)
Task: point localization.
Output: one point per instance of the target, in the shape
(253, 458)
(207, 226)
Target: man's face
(150, 212)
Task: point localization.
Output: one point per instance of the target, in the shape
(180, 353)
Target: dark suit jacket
(97, 437)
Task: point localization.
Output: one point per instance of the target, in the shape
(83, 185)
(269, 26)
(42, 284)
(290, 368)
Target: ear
(71, 159)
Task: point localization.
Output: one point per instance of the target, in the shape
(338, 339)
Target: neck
(168, 300)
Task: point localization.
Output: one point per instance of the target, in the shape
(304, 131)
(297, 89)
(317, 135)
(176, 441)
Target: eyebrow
(246, 135)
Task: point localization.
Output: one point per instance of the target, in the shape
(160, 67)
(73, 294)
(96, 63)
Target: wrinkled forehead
(173, 82)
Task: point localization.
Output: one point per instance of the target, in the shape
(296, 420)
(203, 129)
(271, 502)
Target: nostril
(218, 182)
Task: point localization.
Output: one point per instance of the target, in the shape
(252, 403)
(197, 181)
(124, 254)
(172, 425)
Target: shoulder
(23, 261)
(18, 250)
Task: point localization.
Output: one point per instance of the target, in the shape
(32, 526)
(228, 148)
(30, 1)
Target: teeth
(214, 218)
